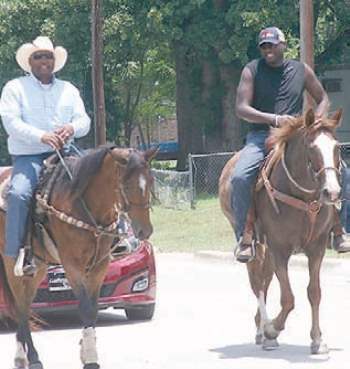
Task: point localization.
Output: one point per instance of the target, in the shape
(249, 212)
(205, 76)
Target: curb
(295, 261)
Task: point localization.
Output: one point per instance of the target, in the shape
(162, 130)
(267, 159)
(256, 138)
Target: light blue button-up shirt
(29, 109)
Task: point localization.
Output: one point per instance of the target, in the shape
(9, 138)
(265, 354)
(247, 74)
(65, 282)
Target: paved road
(204, 321)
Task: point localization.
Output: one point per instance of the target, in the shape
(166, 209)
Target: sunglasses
(39, 56)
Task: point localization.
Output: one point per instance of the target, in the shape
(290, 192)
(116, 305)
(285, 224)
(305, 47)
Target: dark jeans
(244, 177)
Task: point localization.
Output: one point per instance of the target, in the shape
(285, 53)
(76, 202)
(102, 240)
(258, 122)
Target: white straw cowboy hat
(41, 43)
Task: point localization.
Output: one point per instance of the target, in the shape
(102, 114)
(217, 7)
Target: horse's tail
(7, 293)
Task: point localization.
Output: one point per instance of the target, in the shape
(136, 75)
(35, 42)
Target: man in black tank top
(270, 91)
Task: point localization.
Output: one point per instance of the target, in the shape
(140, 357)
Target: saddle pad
(5, 176)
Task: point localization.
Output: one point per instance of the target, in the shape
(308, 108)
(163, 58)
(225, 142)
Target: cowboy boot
(341, 240)
(245, 251)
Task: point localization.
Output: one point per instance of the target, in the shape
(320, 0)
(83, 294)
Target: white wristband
(276, 121)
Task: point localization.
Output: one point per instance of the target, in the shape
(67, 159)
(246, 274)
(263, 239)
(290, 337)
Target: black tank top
(277, 90)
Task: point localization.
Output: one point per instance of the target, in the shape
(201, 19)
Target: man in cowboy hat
(40, 113)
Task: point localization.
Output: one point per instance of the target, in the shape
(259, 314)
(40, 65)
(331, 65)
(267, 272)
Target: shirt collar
(39, 83)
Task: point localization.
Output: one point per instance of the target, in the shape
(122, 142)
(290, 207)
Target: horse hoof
(319, 348)
(269, 345)
(91, 366)
(36, 365)
(259, 338)
(270, 331)
(21, 364)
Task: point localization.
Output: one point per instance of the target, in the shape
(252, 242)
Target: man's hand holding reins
(65, 132)
(52, 139)
(281, 120)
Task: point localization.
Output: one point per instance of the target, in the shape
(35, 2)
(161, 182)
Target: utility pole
(307, 39)
(97, 73)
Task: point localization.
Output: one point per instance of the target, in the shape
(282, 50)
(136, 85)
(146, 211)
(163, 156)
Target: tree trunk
(232, 128)
(189, 125)
(211, 97)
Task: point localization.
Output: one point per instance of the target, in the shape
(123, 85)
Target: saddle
(37, 224)
(54, 169)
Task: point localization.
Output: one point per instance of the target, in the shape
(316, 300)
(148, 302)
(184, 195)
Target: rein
(312, 208)
(121, 209)
(298, 186)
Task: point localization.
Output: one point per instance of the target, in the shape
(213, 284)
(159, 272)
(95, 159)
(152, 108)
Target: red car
(130, 284)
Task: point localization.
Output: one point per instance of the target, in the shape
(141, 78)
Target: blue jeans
(244, 177)
(25, 177)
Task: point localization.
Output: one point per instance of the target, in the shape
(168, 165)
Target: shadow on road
(290, 353)
(71, 320)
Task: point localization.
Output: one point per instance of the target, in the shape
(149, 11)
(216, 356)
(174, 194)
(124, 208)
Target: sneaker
(244, 252)
(24, 267)
(341, 243)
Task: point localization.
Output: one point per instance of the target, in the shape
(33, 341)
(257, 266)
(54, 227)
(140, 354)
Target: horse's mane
(82, 169)
(279, 136)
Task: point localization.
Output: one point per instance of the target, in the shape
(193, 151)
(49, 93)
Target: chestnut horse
(294, 210)
(80, 216)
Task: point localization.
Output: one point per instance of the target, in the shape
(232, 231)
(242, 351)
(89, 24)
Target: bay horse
(294, 211)
(80, 216)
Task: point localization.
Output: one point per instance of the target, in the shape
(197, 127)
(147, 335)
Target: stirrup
(252, 257)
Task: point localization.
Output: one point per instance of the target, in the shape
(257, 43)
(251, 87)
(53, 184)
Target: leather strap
(312, 208)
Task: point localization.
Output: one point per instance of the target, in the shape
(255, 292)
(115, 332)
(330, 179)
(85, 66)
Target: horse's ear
(309, 118)
(337, 116)
(151, 153)
(121, 156)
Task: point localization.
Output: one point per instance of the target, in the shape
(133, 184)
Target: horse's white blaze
(326, 145)
(263, 312)
(88, 350)
(142, 184)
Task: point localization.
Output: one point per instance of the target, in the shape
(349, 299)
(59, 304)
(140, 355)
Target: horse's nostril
(331, 195)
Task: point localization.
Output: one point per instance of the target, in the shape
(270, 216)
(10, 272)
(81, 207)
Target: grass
(191, 230)
(204, 228)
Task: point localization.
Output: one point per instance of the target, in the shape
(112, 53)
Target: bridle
(121, 210)
(311, 207)
(126, 205)
(315, 174)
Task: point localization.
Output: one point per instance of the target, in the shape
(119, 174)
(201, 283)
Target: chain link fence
(205, 170)
(181, 190)
(172, 189)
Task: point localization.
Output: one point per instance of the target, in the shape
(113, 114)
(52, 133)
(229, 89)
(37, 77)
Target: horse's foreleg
(21, 361)
(314, 295)
(88, 293)
(273, 329)
(88, 314)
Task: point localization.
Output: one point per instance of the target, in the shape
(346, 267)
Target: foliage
(142, 40)
(138, 71)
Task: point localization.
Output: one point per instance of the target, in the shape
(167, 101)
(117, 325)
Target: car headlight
(141, 284)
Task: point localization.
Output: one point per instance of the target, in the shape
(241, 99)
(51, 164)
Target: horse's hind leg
(314, 295)
(20, 293)
(260, 273)
(26, 352)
